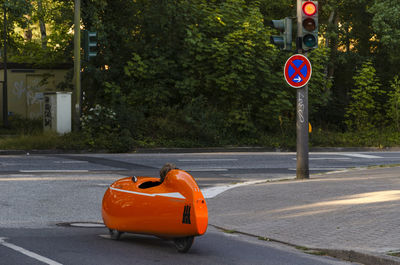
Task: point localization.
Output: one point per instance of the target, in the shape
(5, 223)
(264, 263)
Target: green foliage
(385, 21)
(393, 112)
(214, 57)
(47, 45)
(380, 138)
(320, 85)
(101, 130)
(197, 73)
(230, 62)
(30, 142)
(22, 126)
(364, 109)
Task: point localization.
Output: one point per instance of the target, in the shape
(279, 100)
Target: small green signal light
(309, 40)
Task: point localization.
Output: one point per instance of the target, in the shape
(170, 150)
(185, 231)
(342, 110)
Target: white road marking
(206, 169)
(27, 252)
(321, 168)
(208, 160)
(214, 191)
(20, 175)
(54, 171)
(359, 155)
(87, 225)
(338, 171)
(327, 158)
(83, 178)
(71, 162)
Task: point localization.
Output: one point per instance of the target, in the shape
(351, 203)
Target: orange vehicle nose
(201, 215)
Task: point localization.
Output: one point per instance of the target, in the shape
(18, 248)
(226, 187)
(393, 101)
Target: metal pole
(77, 65)
(302, 169)
(5, 95)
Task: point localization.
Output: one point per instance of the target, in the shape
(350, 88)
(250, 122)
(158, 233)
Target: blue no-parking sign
(297, 71)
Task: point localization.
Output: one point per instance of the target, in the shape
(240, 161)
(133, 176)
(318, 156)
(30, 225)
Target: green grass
(394, 253)
(29, 142)
(262, 238)
(229, 231)
(375, 138)
(28, 135)
(311, 251)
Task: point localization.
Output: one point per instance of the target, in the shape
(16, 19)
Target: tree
(364, 110)
(46, 26)
(393, 113)
(385, 22)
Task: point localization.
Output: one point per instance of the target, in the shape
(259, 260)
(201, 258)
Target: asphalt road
(92, 246)
(209, 169)
(40, 192)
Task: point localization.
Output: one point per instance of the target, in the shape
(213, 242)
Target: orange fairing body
(174, 208)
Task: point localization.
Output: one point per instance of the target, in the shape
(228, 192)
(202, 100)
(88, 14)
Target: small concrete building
(26, 86)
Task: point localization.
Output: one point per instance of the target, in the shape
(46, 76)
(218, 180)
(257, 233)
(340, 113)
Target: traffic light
(309, 25)
(90, 44)
(284, 40)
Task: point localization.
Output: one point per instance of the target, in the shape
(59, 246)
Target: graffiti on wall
(28, 96)
(19, 88)
(33, 88)
(47, 113)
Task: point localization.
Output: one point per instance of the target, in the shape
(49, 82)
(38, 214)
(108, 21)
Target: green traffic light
(309, 40)
(284, 40)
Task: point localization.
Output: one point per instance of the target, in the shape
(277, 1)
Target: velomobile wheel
(183, 244)
(114, 234)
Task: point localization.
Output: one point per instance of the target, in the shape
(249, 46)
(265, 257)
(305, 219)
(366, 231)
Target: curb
(208, 150)
(41, 152)
(364, 258)
(346, 255)
(353, 149)
(227, 149)
(261, 149)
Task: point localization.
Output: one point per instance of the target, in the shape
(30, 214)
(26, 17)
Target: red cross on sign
(297, 71)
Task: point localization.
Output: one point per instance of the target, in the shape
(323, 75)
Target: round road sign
(297, 71)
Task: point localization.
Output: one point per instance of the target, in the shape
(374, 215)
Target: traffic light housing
(90, 44)
(309, 25)
(284, 40)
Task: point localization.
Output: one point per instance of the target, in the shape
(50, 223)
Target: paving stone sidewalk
(357, 210)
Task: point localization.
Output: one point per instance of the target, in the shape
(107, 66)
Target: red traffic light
(309, 8)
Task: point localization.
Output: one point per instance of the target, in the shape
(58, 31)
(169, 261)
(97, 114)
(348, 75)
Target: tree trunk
(42, 25)
(28, 35)
(332, 44)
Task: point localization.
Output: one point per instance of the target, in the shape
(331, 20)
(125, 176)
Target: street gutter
(227, 149)
(347, 255)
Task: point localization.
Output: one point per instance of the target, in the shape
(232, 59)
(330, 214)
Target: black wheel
(114, 234)
(183, 244)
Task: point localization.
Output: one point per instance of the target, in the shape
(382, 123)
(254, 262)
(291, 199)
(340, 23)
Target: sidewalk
(354, 215)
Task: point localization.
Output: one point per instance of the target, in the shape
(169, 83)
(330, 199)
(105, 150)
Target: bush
(101, 130)
(364, 110)
(393, 112)
(48, 140)
(19, 125)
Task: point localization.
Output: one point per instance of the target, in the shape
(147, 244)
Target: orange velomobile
(174, 208)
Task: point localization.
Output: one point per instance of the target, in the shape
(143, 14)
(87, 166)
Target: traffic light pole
(5, 94)
(302, 168)
(77, 66)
